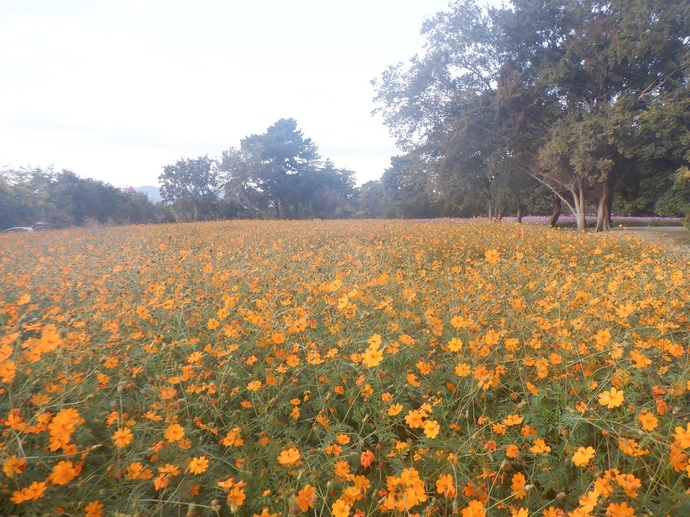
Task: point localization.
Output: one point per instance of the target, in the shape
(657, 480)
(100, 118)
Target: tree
(521, 86)
(276, 159)
(192, 186)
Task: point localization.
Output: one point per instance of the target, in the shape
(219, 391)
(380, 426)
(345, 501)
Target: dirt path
(676, 237)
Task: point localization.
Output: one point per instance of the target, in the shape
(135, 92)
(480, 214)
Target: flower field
(343, 368)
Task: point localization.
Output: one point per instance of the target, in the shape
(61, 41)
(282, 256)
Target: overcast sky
(116, 89)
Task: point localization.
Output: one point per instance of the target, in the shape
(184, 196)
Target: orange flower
(340, 509)
(517, 485)
(366, 459)
(511, 420)
(394, 409)
(474, 509)
(431, 429)
(235, 498)
(174, 433)
(620, 510)
(12, 466)
(372, 357)
(681, 437)
(33, 492)
(198, 465)
(446, 485)
(63, 473)
(492, 256)
(94, 509)
(306, 498)
(583, 456)
(611, 399)
(540, 447)
(289, 457)
(512, 451)
(589, 500)
(648, 421)
(122, 437)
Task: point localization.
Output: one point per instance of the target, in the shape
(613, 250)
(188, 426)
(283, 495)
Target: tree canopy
(579, 95)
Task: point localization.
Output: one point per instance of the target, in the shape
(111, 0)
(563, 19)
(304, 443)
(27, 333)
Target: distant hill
(151, 192)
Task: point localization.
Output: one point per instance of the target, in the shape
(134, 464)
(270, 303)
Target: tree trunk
(520, 210)
(491, 210)
(603, 208)
(557, 205)
(579, 204)
(498, 214)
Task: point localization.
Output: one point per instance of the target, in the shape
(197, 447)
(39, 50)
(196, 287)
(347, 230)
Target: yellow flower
(611, 399)
(583, 456)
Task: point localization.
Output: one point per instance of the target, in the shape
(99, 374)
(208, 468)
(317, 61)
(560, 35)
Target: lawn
(343, 368)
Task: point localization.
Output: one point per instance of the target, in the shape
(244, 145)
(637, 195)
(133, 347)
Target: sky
(116, 89)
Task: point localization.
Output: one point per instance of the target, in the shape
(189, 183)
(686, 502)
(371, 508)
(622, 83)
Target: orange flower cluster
(348, 368)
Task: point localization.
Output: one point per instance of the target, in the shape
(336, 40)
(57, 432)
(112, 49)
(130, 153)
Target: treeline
(588, 99)
(31, 195)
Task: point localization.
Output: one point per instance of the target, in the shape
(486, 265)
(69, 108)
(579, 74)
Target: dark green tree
(191, 185)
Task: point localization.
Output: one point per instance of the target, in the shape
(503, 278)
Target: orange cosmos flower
(620, 510)
(681, 437)
(94, 509)
(589, 500)
(63, 473)
(33, 492)
(511, 420)
(431, 428)
(540, 447)
(648, 421)
(366, 459)
(583, 456)
(517, 485)
(289, 457)
(394, 409)
(174, 433)
(306, 498)
(492, 256)
(235, 498)
(254, 385)
(446, 485)
(372, 357)
(340, 509)
(12, 466)
(198, 465)
(611, 399)
(122, 437)
(474, 509)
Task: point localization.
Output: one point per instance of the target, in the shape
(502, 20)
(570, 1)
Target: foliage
(576, 94)
(342, 368)
(31, 195)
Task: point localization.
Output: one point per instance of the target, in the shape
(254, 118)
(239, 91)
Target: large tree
(191, 186)
(557, 89)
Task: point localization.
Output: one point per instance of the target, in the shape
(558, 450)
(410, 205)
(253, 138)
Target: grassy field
(343, 368)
